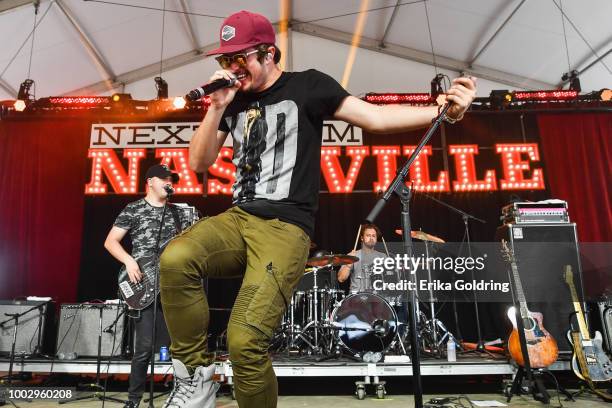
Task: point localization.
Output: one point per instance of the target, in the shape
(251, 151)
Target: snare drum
(370, 323)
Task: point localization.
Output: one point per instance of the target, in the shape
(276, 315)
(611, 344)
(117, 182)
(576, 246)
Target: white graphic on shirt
(264, 166)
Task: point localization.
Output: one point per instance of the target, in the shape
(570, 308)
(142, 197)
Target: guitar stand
(536, 386)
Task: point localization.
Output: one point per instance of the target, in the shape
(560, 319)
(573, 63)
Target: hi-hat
(331, 260)
(423, 236)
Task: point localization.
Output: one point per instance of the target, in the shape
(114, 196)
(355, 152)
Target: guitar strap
(584, 369)
(175, 216)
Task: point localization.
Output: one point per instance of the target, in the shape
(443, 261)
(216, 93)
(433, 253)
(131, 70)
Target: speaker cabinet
(605, 313)
(32, 327)
(79, 328)
(541, 252)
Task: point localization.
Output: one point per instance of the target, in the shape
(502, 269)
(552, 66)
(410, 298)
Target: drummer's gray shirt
(361, 271)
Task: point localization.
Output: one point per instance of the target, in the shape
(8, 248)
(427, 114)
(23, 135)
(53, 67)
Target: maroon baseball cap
(242, 30)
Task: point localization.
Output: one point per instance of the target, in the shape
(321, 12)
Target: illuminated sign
(117, 150)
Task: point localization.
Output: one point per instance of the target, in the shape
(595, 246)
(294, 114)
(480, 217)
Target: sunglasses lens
(226, 61)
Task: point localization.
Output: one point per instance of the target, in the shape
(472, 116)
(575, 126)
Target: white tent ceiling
(101, 47)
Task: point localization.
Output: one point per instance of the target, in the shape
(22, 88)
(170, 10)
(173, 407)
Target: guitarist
(141, 220)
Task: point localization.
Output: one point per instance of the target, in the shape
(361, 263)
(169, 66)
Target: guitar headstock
(569, 275)
(506, 252)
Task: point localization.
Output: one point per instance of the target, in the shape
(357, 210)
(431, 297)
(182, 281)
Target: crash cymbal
(331, 260)
(423, 236)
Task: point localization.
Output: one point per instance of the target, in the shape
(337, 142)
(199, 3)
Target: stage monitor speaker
(79, 327)
(541, 252)
(31, 329)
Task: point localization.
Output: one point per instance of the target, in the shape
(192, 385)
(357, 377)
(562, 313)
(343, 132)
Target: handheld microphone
(207, 89)
(169, 189)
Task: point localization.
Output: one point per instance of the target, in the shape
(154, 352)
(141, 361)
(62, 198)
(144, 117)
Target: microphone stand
(15, 317)
(480, 346)
(110, 328)
(99, 391)
(399, 188)
(169, 192)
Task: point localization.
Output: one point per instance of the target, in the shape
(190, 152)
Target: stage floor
(286, 366)
(300, 384)
(335, 401)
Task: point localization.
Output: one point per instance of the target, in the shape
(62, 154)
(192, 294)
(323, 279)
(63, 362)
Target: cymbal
(423, 236)
(331, 260)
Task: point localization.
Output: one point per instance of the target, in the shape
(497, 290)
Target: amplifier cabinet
(32, 328)
(541, 252)
(79, 328)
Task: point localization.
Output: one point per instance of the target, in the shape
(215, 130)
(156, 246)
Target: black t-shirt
(278, 164)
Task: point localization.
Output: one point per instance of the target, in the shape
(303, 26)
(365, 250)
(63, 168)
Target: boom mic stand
(15, 317)
(480, 346)
(399, 188)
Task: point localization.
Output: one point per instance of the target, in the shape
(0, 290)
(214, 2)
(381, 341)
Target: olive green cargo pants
(271, 255)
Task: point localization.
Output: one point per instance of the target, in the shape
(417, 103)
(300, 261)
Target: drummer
(361, 271)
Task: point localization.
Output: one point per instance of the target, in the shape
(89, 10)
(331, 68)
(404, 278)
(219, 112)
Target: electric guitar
(597, 362)
(541, 346)
(141, 294)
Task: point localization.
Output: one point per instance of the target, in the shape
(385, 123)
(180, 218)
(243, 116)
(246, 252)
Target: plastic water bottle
(451, 352)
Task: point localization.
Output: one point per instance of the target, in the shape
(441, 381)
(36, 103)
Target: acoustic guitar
(541, 346)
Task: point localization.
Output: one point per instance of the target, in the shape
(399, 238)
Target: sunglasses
(226, 61)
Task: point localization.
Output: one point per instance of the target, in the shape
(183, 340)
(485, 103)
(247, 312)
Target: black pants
(143, 326)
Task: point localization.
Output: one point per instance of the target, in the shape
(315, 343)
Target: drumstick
(385, 244)
(357, 238)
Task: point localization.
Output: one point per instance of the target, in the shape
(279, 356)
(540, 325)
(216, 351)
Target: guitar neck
(584, 331)
(519, 290)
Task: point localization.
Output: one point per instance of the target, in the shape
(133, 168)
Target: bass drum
(370, 323)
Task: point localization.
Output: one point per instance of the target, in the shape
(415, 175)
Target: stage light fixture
(23, 96)
(179, 102)
(24, 90)
(574, 81)
(19, 105)
(436, 86)
(552, 95)
(500, 98)
(403, 98)
(162, 88)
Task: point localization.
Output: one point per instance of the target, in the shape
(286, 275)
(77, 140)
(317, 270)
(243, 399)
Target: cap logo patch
(227, 33)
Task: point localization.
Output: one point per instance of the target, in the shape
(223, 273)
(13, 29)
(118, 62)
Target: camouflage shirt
(141, 220)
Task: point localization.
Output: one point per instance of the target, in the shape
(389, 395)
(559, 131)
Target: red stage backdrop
(46, 165)
(578, 155)
(42, 173)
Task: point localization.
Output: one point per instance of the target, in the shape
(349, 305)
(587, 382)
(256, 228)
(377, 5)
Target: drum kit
(322, 321)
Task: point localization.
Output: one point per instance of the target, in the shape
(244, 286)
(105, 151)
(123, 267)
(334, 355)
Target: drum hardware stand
(399, 188)
(480, 345)
(314, 323)
(338, 353)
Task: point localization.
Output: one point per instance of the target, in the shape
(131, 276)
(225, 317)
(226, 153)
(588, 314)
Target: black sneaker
(131, 404)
